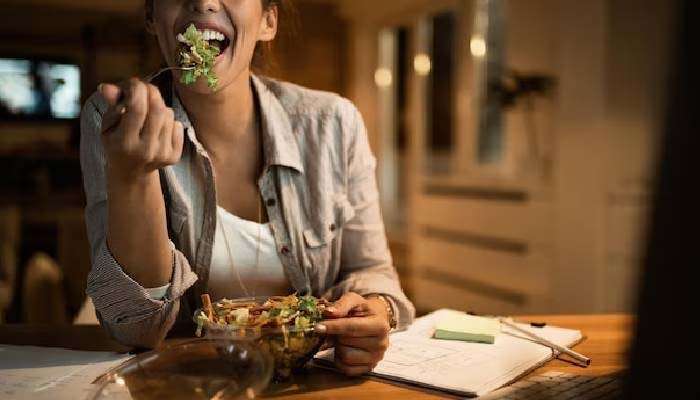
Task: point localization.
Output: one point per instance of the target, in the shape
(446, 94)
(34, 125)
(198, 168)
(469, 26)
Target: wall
(556, 231)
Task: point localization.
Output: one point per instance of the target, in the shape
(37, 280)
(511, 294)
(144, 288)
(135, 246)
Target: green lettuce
(200, 54)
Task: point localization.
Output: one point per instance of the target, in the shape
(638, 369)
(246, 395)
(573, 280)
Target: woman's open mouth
(212, 36)
(199, 49)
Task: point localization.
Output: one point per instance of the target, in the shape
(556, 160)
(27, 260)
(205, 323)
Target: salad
(197, 53)
(285, 325)
(299, 312)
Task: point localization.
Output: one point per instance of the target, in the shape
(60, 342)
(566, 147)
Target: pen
(583, 360)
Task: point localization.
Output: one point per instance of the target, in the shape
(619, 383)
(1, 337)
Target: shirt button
(285, 250)
(332, 227)
(270, 202)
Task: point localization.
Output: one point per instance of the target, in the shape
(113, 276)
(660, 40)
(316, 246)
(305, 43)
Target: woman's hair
(262, 56)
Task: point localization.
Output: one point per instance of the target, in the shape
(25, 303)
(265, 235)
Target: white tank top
(227, 279)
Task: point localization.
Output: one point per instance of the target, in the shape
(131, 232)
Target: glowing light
(477, 46)
(383, 77)
(422, 64)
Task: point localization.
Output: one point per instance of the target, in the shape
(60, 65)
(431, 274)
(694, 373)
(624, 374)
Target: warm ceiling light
(422, 64)
(477, 46)
(383, 77)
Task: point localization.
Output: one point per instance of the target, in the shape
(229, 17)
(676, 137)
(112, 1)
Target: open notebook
(468, 369)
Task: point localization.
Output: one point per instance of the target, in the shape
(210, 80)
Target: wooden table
(607, 338)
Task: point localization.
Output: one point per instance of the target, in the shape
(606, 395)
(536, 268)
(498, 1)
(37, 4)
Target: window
(487, 49)
(441, 94)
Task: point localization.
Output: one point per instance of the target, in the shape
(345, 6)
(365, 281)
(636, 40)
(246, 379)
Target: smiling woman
(257, 188)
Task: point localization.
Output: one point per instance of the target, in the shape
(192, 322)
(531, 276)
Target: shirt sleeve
(123, 306)
(366, 263)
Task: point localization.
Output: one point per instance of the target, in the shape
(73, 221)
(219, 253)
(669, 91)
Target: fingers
(372, 344)
(348, 302)
(359, 337)
(165, 138)
(155, 117)
(137, 101)
(352, 361)
(142, 129)
(354, 326)
(355, 357)
(111, 93)
(177, 140)
(353, 370)
(111, 118)
(155, 125)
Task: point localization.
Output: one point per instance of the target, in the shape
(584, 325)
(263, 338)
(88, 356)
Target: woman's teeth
(213, 35)
(207, 34)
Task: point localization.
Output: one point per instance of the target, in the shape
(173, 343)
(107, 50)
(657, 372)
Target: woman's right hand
(139, 132)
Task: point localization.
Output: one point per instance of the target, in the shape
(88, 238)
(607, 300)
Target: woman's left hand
(358, 328)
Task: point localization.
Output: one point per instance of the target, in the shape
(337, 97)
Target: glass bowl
(197, 369)
(290, 348)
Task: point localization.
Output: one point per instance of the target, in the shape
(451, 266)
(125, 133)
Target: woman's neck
(225, 116)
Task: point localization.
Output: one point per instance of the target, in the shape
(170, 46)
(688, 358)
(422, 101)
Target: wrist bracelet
(388, 306)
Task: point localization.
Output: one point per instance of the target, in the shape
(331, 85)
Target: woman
(259, 187)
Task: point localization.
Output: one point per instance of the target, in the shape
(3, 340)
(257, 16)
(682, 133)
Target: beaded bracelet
(389, 308)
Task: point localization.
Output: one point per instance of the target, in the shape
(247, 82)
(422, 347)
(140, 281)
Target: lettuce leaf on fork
(197, 52)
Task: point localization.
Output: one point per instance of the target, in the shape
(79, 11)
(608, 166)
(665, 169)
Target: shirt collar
(280, 145)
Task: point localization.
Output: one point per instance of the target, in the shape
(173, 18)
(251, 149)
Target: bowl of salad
(282, 326)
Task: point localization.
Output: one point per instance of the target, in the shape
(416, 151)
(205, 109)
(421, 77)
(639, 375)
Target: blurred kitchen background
(516, 139)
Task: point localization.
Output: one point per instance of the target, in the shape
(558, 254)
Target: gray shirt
(319, 190)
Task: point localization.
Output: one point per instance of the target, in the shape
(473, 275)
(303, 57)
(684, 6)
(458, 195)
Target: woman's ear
(268, 24)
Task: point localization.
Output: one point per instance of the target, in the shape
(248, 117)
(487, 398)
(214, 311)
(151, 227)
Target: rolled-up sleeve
(366, 266)
(123, 306)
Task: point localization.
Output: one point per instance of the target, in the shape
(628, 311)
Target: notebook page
(28, 372)
(461, 367)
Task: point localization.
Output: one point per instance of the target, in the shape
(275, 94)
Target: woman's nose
(205, 6)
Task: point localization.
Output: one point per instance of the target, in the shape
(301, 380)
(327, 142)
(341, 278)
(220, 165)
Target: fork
(148, 79)
(152, 76)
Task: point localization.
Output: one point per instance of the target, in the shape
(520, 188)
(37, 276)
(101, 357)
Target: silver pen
(583, 360)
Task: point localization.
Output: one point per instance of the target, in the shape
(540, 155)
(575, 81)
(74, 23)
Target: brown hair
(263, 58)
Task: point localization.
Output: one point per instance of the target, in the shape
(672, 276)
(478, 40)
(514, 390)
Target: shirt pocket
(324, 230)
(322, 248)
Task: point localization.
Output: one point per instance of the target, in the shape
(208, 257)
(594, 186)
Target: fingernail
(320, 328)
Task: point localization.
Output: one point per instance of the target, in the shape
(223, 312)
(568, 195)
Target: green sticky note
(455, 325)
